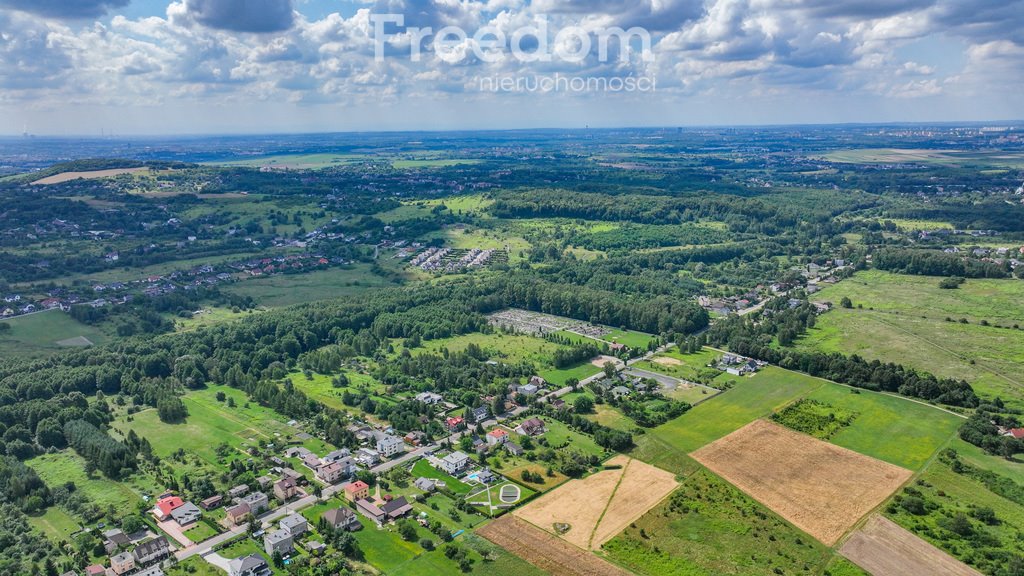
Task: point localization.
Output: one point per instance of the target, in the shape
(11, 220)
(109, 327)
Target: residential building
(316, 548)
(289, 473)
(153, 551)
(426, 484)
(114, 539)
(285, 489)
(237, 514)
(453, 422)
(415, 438)
(497, 437)
(122, 563)
(368, 456)
(531, 427)
(311, 461)
(280, 541)
(528, 390)
(265, 482)
(186, 514)
(514, 449)
(238, 491)
(335, 456)
(212, 502)
(151, 571)
(294, 524)
(481, 413)
(95, 570)
(455, 462)
(388, 445)
(257, 502)
(251, 565)
(429, 398)
(342, 519)
(331, 473)
(165, 506)
(537, 381)
(357, 491)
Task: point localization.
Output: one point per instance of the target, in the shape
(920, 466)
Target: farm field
(820, 488)
(92, 174)
(589, 511)
(297, 161)
(44, 333)
(708, 527)
(549, 553)
(990, 358)
(290, 289)
(750, 398)
(885, 549)
(928, 157)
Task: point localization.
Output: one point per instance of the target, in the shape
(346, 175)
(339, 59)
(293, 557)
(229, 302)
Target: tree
(583, 405)
(407, 530)
(846, 302)
(609, 369)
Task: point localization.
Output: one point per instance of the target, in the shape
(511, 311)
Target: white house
(455, 462)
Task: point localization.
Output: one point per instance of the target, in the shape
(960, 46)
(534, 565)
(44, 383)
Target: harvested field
(545, 551)
(69, 176)
(884, 549)
(821, 488)
(601, 505)
(600, 361)
(667, 361)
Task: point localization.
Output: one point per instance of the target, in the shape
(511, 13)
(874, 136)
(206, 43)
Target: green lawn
(200, 531)
(55, 523)
(424, 469)
(558, 435)
(481, 498)
(637, 340)
(319, 388)
(707, 527)
(289, 289)
(692, 367)
(37, 335)
(66, 466)
(194, 566)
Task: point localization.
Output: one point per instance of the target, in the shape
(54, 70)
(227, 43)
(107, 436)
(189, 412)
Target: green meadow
(43, 333)
(289, 289)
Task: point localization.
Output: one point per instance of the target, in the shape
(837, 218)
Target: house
(237, 514)
(616, 347)
(1017, 433)
(95, 570)
(481, 413)
(330, 473)
(289, 473)
(265, 482)
(114, 539)
(122, 563)
(257, 502)
(153, 551)
(415, 438)
(285, 489)
(294, 524)
(186, 514)
(396, 508)
(316, 548)
(427, 484)
(455, 462)
(357, 491)
(559, 404)
(212, 502)
(238, 491)
(531, 427)
(453, 422)
(429, 398)
(341, 519)
(620, 391)
(514, 449)
(251, 565)
(537, 381)
(528, 390)
(370, 510)
(367, 456)
(311, 461)
(165, 506)
(388, 445)
(486, 476)
(335, 456)
(299, 452)
(497, 437)
(279, 541)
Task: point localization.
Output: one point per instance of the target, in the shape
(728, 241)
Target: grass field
(319, 388)
(211, 423)
(37, 335)
(194, 566)
(289, 289)
(438, 163)
(297, 161)
(560, 436)
(57, 524)
(929, 157)
(708, 527)
(988, 357)
(207, 317)
(423, 468)
(66, 466)
(692, 367)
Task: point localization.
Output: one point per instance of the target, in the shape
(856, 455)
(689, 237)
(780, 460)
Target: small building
(122, 563)
(212, 502)
(513, 448)
(295, 524)
(537, 381)
(532, 427)
(151, 571)
(620, 391)
(251, 565)
(1017, 433)
(335, 456)
(152, 551)
(285, 489)
(289, 473)
(396, 508)
(528, 390)
(429, 398)
(497, 437)
(486, 476)
(415, 438)
(265, 482)
(186, 514)
(341, 519)
(455, 462)
(280, 541)
(480, 413)
(559, 404)
(370, 510)
(311, 461)
(453, 422)
(238, 491)
(316, 548)
(114, 539)
(95, 570)
(357, 491)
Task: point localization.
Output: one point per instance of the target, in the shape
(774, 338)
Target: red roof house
(1017, 433)
(164, 506)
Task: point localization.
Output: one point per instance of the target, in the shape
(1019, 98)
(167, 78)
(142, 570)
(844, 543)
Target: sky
(153, 67)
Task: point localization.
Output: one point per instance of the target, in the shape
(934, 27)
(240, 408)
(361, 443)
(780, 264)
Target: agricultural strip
(884, 549)
(545, 551)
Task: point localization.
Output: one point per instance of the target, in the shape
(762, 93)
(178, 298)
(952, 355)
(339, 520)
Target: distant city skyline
(152, 67)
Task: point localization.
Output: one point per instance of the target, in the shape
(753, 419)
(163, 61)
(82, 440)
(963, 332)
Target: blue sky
(235, 66)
